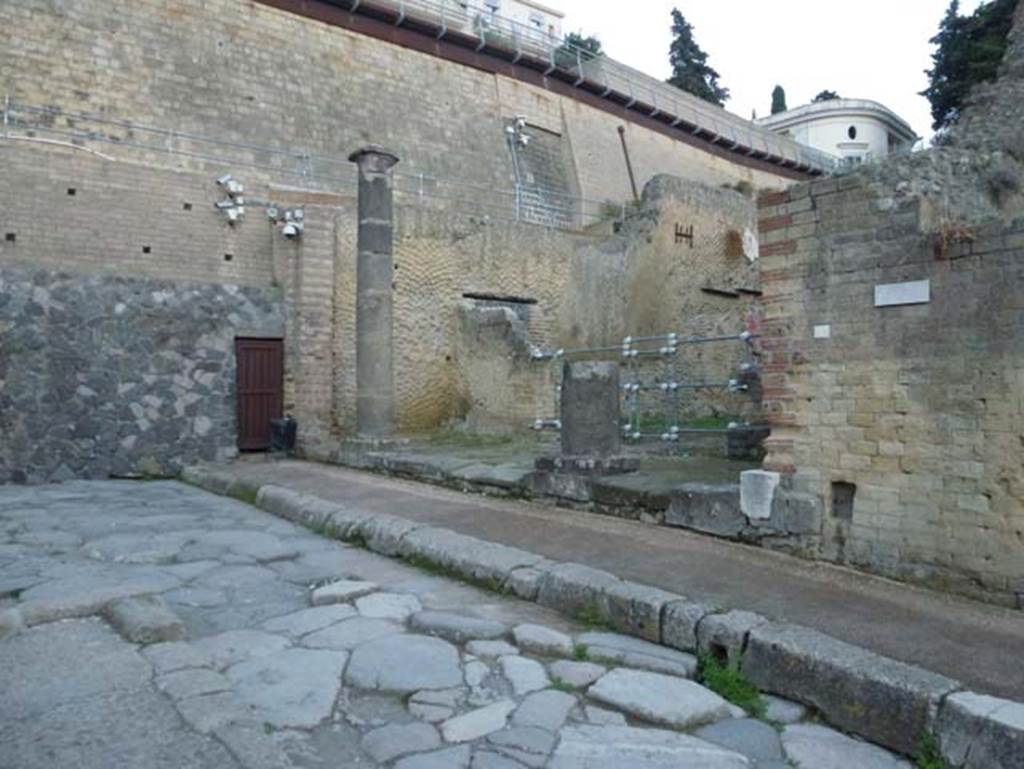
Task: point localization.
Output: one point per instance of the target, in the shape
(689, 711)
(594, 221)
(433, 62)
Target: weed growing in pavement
(727, 681)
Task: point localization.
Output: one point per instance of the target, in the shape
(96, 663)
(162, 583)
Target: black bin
(282, 434)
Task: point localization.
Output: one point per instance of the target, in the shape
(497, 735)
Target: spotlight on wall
(292, 223)
(233, 207)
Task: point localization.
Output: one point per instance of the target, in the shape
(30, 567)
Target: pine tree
(969, 50)
(779, 100)
(568, 57)
(690, 70)
(825, 96)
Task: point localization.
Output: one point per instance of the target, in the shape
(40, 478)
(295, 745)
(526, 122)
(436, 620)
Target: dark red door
(260, 390)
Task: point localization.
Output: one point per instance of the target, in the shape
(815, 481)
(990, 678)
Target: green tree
(690, 69)
(969, 50)
(825, 96)
(779, 100)
(567, 56)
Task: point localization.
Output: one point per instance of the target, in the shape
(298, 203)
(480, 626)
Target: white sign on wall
(894, 294)
(823, 332)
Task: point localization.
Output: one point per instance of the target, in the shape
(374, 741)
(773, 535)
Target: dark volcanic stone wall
(102, 375)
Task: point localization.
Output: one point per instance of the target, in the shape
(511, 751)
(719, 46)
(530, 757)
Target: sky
(868, 49)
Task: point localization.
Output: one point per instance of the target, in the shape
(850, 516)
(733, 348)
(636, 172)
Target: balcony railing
(555, 57)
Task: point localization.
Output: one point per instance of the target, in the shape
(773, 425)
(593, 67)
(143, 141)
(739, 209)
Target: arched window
(852, 132)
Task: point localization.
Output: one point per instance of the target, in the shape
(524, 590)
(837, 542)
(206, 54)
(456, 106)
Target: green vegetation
(653, 422)
(581, 653)
(593, 618)
(779, 100)
(690, 69)
(561, 686)
(928, 754)
(728, 682)
(577, 47)
(969, 51)
(243, 493)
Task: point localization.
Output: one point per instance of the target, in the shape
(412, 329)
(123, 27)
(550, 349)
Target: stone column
(375, 385)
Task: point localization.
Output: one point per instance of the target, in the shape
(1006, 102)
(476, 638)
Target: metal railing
(655, 383)
(554, 55)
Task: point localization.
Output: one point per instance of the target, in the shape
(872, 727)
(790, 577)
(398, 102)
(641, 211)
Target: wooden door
(259, 389)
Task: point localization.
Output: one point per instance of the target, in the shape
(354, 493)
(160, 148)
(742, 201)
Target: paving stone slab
(450, 758)
(404, 663)
(603, 717)
(659, 699)
(234, 646)
(477, 723)
(192, 682)
(351, 633)
(637, 653)
(976, 731)
(543, 640)
(295, 688)
(145, 620)
(210, 712)
(809, 746)
(457, 628)
(528, 744)
(886, 701)
(394, 606)
(783, 711)
(300, 623)
(488, 760)
(395, 740)
(546, 710)
(754, 739)
(525, 675)
(618, 747)
(176, 655)
(490, 649)
(576, 674)
(341, 591)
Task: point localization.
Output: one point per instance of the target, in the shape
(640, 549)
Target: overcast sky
(870, 49)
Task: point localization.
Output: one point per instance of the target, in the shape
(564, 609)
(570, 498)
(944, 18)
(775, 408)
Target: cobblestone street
(155, 625)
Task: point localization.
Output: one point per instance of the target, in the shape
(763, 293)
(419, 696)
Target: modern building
(855, 130)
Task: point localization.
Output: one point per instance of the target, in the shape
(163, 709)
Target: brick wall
(919, 406)
(241, 71)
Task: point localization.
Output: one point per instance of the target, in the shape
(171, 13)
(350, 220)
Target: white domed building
(854, 130)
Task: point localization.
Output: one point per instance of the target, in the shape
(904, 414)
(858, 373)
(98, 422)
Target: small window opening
(842, 500)
(72, 191)
(146, 249)
(228, 257)
(10, 237)
(186, 206)
(852, 133)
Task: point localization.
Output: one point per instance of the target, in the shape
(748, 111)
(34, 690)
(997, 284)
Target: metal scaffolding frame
(665, 351)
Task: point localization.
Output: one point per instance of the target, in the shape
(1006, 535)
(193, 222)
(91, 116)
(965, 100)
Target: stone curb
(888, 702)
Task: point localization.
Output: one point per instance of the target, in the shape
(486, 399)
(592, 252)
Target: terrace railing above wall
(555, 57)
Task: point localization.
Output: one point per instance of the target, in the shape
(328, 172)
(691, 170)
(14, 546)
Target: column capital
(374, 158)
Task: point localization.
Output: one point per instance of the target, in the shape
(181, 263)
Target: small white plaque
(893, 294)
(823, 332)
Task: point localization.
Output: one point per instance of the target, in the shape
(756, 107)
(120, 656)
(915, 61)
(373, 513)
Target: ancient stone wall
(107, 220)
(241, 71)
(894, 360)
(104, 375)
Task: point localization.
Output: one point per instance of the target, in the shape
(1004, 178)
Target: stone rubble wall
(918, 406)
(103, 375)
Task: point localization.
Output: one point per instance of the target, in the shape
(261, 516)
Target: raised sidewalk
(977, 644)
